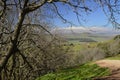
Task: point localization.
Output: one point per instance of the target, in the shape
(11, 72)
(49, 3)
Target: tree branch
(24, 58)
(33, 7)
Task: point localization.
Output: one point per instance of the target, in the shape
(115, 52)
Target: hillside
(86, 37)
(90, 62)
(106, 69)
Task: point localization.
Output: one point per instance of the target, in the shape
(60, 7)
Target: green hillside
(84, 72)
(86, 37)
(88, 71)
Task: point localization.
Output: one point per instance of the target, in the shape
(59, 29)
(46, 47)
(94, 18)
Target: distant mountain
(80, 34)
(86, 30)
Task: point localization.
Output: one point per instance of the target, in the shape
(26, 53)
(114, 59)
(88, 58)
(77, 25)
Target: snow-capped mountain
(93, 30)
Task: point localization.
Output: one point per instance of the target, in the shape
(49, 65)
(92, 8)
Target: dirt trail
(113, 65)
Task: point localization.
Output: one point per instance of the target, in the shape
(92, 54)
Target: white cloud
(107, 30)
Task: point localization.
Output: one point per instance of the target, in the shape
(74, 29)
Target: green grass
(84, 72)
(117, 57)
(80, 46)
(76, 47)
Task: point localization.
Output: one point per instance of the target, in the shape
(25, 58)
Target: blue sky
(94, 18)
(97, 18)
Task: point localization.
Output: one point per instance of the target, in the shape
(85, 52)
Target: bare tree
(14, 26)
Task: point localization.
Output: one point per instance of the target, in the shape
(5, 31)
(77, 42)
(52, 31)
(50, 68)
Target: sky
(95, 18)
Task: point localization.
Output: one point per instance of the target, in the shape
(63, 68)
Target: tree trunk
(13, 45)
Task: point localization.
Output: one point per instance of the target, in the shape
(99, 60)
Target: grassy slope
(117, 57)
(84, 72)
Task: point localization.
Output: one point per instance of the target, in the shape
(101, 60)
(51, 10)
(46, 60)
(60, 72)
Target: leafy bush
(114, 47)
(90, 54)
(111, 48)
(104, 47)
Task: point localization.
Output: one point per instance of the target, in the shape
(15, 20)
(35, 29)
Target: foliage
(111, 48)
(82, 53)
(41, 52)
(104, 47)
(117, 37)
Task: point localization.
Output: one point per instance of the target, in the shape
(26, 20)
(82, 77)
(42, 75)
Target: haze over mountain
(91, 30)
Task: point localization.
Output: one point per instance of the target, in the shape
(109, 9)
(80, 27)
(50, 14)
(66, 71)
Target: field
(81, 41)
(86, 37)
(76, 47)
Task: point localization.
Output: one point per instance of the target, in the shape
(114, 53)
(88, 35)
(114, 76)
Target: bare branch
(24, 58)
(38, 27)
(4, 8)
(33, 7)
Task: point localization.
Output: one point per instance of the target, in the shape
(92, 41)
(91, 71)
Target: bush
(110, 48)
(114, 47)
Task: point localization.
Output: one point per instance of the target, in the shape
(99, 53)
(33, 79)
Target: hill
(75, 34)
(106, 69)
(86, 37)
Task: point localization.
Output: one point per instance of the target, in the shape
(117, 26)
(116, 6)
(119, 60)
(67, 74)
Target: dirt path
(113, 65)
